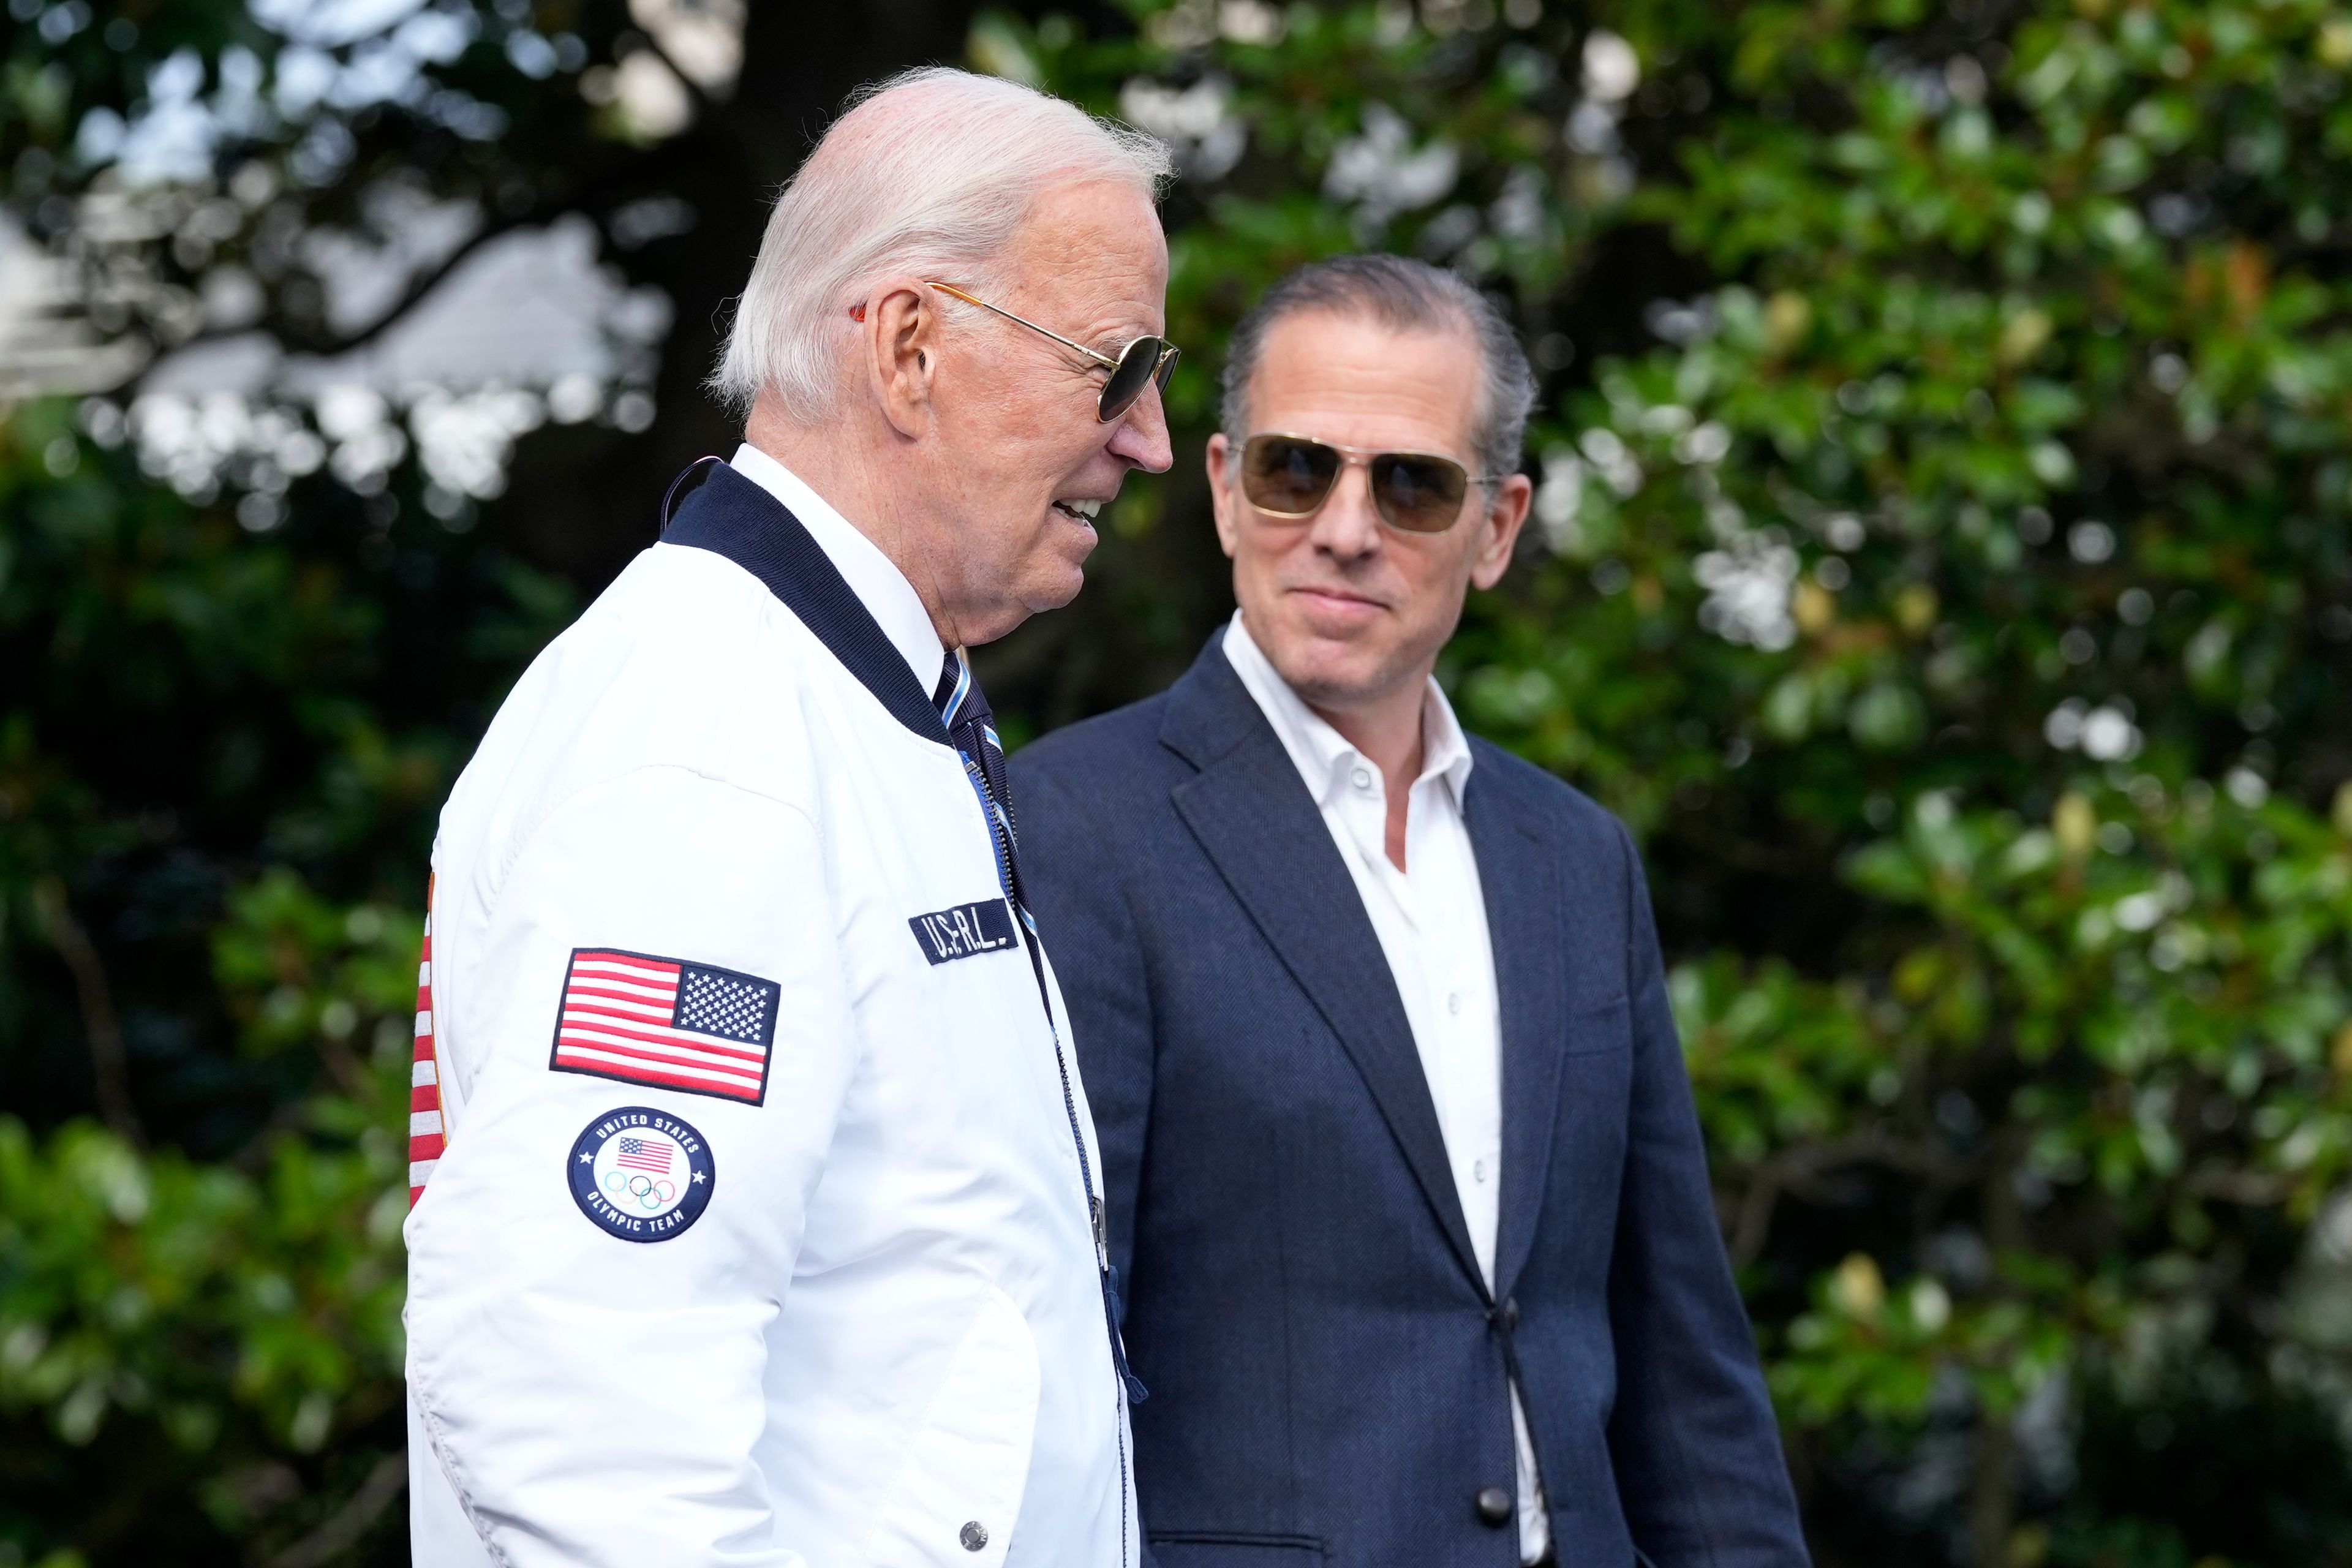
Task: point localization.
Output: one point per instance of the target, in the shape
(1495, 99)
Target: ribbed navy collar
(731, 516)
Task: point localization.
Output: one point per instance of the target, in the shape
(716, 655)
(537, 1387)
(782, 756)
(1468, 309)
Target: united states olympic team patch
(641, 1175)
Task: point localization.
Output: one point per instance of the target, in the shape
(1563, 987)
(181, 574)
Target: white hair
(931, 172)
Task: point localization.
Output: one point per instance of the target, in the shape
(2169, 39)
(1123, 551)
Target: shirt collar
(878, 584)
(1323, 756)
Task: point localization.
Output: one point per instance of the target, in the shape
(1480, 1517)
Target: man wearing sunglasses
(757, 1212)
(1421, 1263)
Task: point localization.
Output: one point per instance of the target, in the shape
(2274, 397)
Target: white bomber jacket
(761, 1235)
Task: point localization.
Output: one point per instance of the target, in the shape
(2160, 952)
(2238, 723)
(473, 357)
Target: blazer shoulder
(1111, 753)
(1550, 802)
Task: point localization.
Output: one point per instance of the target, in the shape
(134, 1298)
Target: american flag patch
(428, 1137)
(663, 1021)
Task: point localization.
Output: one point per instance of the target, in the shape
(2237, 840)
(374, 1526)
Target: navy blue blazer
(1327, 1373)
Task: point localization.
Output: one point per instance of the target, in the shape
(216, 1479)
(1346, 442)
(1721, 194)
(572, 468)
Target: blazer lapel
(1522, 896)
(1253, 815)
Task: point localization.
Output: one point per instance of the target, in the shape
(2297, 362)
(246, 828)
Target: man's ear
(1503, 518)
(900, 333)
(1222, 499)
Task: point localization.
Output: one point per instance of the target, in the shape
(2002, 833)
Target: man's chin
(1323, 642)
(1330, 674)
(1051, 590)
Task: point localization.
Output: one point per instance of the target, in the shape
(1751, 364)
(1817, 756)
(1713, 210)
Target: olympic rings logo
(644, 1192)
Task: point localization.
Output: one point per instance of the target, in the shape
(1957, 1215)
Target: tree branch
(342, 1532)
(101, 1026)
(419, 287)
(253, 1156)
(1992, 1479)
(2255, 1188)
(1800, 1169)
(1992, 1491)
(422, 284)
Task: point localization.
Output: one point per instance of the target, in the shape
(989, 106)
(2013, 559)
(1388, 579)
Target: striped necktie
(963, 707)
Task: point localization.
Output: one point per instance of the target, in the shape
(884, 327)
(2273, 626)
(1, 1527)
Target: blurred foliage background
(1944, 562)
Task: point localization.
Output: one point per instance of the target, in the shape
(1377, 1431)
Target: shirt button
(1362, 778)
(1478, 1170)
(1454, 1002)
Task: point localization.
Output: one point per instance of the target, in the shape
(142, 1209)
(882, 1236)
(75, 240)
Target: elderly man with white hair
(756, 1215)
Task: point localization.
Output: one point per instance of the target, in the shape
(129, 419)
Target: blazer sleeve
(595, 1398)
(1072, 871)
(1693, 1438)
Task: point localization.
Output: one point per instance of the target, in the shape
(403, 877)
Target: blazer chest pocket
(959, 1490)
(1607, 1026)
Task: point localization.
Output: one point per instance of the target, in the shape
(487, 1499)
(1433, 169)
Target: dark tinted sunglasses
(1293, 476)
(1146, 362)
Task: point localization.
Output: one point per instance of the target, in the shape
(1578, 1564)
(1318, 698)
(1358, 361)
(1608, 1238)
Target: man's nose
(1142, 435)
(1346, 525)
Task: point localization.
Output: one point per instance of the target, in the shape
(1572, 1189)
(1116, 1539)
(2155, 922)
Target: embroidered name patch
(965, 931)
(664, 1021)
(641, 1175)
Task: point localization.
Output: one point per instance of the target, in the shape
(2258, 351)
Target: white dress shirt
(1430, 920)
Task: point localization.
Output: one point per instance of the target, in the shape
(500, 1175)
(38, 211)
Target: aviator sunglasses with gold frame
(1146, 362)
(1290, 476)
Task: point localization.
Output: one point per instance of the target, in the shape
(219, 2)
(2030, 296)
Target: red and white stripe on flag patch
(665, 1021)
(426, 1137)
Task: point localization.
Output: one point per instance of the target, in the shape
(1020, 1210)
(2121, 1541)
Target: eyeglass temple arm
(1102, 359)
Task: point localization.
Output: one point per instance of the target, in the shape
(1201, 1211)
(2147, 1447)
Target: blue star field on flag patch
(713, 1003)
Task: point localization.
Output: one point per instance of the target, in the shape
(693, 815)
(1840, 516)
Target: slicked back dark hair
(1406, 296)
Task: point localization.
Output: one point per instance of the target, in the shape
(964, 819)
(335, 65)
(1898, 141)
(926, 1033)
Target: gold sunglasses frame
(1162, 367)
(1353, 458)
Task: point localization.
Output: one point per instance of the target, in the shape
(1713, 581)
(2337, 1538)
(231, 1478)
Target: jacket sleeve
(1693, 1439)
(596, 1399)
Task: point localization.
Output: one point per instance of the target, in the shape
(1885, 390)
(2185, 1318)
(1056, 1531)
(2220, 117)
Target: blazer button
(974, 1535)
(1494, 1506)
(1510, 1311)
